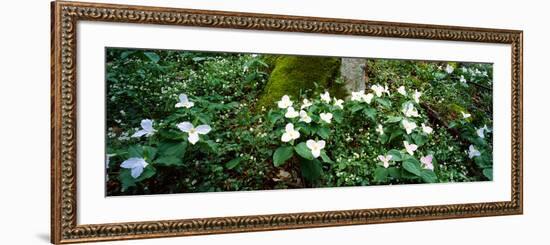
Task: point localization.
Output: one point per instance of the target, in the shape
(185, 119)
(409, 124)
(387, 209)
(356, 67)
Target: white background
(94, 208)
(24, 181)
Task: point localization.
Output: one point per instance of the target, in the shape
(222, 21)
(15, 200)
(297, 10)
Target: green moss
(295, 75)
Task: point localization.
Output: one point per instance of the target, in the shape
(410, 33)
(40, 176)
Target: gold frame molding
(66, 15)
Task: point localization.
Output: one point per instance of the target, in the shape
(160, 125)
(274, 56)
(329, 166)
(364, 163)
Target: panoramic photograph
(196, 121)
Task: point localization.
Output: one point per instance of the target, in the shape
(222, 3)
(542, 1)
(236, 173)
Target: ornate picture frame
(64, 206)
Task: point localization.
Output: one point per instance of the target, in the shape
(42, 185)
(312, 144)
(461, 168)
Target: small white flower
(385, 160)
(285, 102)
(290, 133)
(465, 115)
(184, 102)
(291, 113)
(304, 117)
(464, 69)
(136, 166)
(146, 129)
(449, 69)
(325, 97)
(380, 129)
(378, 89)
(462, 79)
(402, 90)
(486, 128)
(409, 110)
(480, 132)
(427, 162)
(409, 126)
(473, 152)
(327, 117)
(339, 103)
(410, 148)
(416, 96)
(306, 103)
(357, 96)
(192, 131)
(427, 129)
(315, 147)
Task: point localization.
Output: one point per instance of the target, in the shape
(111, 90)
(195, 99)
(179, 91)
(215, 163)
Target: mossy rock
(295, 75)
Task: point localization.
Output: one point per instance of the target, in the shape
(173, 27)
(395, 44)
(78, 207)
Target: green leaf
(126, 179)
(274, 117)
(488, 172)
(149, 152)
(384, 102)
(393, 119)
(311, 169)
(135, 151)
(395, 134)
(394, 173)
(380, 174)
(175, 149)
(303, 151)
(419, 139)
(233, 163)
(356, 107)
(370, 113)
(325, 157)
(323, 132)
(282, 154)
(169, 161)
(428, 176)
(412, 166)
(152, 56)
(338, 117)
(396, 155)
(148, 172)
(125, 54)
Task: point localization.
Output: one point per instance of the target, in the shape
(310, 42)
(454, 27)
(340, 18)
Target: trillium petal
(139, 133)
(193, 138)
(289, 127)
(131, 162)
(286, 137)
(147, 124)
(311, 144)
(136, 172)
(321, 144)
(183, 98)
(316, 153)
(185, 126)
(203, 129)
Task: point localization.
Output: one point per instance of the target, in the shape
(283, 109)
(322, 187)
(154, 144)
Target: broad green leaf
(282, 154)
(396, 155)
(384, 102)
(175, 149)
(413, 166)
(393, 119)
(152, 56)
(356, 107)
(274, 117)
(370, 113)
(149, 152)
(394, 172)
(419, 139)
(126, 179)
(169, 161)
(303, 151)
(380, 174)
(428, 176)
(135, 151)
(323, 132)
(311, 169)
(325, 157)
(338, 117)
(148, 172)
(395, 134)
(233, 163)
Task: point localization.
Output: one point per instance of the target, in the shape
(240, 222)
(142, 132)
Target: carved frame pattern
(65, 15)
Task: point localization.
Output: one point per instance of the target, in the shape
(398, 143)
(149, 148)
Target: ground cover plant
(187, 121)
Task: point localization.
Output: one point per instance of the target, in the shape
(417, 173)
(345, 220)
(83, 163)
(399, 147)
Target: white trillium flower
(184, 102)
(290, 133)
(285, 102)
(449, 69)
(304, 117)
(416, 96)
(291, 113)
(410, 111)
(427, 162)
(325, 97)
(462, 79)
(480, 133)
(315, 147)
(339, 103)
(427, 129)
(465, 115)
(368, 98)
(402, 90)
(409, 126)
(136, 166)
(327, 117)
(146, 129)
(193, 132)
(410, 148)
(378, 89)
(358, 96)
(380, 129)
(464, 69)
(306, 103)
(385, 160)
(473, 152)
